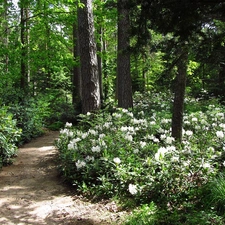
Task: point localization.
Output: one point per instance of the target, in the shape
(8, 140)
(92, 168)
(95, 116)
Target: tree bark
(5, 30)
(24, 76)
(88, 59)
(99, 49)
(24, 38)
(124, 84)
(76, 79)
(179, 95)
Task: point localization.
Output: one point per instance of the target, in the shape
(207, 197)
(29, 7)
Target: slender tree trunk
(47, 29)
(28, 44)
(24, 37)
(24, 77)
(178, 105)
(4, 38)
(76, 80)
(221, 82)
(124, 84)
(88, 59)
(105, 87)
(99, 49)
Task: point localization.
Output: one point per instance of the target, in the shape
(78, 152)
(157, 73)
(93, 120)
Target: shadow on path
(31, 191)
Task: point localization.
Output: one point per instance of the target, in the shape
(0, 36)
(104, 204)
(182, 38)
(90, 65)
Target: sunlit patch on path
(31, 191)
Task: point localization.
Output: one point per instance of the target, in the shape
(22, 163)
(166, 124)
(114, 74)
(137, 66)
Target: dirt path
(31, 191)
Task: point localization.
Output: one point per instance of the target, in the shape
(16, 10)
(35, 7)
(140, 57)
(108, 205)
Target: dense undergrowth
(9, 136)
(130, 156)
(22, 119)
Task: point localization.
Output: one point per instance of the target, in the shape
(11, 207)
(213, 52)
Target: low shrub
(132, 156)
(144, 215)
(150, 214)
(215, 194)
(9, 137)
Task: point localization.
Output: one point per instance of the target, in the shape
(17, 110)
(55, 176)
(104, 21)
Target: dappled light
(46, 148)
(112, 112)
(32, 192)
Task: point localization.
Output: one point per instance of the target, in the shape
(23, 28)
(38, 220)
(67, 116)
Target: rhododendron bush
(131, 153)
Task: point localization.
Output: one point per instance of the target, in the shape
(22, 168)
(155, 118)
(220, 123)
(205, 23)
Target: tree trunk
(76, 79)
(5, 31)
(24, 76)
(124, 84)
(88, 59)
(178, 105)
(24, 38)
(99, 49)
(221, 82)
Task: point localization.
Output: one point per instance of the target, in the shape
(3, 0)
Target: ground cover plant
(131, 156)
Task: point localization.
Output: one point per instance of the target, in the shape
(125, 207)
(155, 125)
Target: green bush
(131, 154)
(215, 194)
(145, 215)
(9, 137)
(152, 215)
(55, 110)
(29, 117)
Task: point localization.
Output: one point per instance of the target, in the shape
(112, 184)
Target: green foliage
(216, 194)
(9, 136)
(153, 215)
(57, 109)
(145, 215)
(131, 155)
(29, 118)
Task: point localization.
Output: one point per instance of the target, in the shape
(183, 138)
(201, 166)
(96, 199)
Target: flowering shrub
(131, 154)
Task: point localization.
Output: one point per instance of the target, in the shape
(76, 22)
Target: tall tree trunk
(24, 37)
(47, 29)
(124, 84)
(23, 80)
(88, 59)
(178, 104)
(5, 30)
(76, 80)
(221, 81)
(99, 49)
(105, 87)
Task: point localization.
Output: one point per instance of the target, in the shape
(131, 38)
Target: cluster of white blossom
(155, 140)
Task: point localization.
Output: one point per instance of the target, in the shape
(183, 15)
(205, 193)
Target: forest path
(31, 191)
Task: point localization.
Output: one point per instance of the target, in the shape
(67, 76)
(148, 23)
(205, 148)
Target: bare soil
(32, 192)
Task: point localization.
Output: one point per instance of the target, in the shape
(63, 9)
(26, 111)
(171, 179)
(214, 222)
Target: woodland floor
(32, 192)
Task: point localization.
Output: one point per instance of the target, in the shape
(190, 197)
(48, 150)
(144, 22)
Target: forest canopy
(83, 54)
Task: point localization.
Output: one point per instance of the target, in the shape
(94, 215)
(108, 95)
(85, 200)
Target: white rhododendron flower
(189, 133)
(206, 165)
(169, 140)
(68, 124)
(162, 151)
(132, 189)
(129, 137)
(91, 131)
(220, 134)
(117, 160)
(80, 164)
(143, 143)
(90, 158)
(194, 119)
(96, 149)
